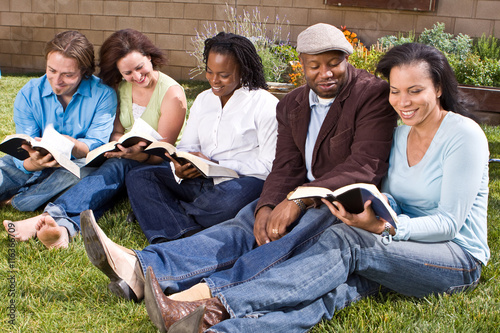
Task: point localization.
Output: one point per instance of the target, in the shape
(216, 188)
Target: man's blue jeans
(31, 191)
(96, 192)
(166, 209)
(321, 266)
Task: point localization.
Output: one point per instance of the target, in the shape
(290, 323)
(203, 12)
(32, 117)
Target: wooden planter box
(280, 89)
(488, 103)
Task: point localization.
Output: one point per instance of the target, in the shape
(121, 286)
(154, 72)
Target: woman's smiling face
(223, 74)
(413, 94)
(136, 68)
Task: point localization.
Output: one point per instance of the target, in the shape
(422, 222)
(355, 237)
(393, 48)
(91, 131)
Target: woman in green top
(128, 63)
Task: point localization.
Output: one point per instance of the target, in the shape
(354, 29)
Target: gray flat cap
(321, 38)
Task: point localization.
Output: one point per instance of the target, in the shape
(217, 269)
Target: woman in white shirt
(232, 124)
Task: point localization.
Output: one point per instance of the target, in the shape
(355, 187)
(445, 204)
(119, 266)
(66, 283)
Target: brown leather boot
(164, 312)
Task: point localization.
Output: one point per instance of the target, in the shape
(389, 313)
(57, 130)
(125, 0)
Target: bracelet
(301, 204)
(387, 228)
(386, 234)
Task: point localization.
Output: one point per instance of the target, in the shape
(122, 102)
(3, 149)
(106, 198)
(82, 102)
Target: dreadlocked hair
(251, 69)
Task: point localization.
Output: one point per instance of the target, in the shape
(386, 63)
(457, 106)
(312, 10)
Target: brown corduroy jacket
(353, 144)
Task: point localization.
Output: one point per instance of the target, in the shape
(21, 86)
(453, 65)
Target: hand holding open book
(140, 132)
(52, 142)
(205, 167)
(353, 198)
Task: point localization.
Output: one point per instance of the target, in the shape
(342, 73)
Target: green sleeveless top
(153, 109)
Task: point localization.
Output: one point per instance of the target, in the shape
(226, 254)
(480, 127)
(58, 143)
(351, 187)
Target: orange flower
(351, 36)
(296, 77)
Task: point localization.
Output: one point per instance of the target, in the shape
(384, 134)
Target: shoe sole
(192, 323)
(98, 257)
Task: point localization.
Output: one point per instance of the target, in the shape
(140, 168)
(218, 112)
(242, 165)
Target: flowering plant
(272, 48)
(352, 37)
(296, 74)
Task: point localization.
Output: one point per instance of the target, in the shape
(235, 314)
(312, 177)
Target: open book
(205, 167)
(52, 142)
(140, 131)
(352, 197)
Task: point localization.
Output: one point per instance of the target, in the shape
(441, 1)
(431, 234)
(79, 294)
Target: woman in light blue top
(438, 184)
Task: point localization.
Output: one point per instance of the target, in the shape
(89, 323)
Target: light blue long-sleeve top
(445, 196)
(319, 110)
(88, 117)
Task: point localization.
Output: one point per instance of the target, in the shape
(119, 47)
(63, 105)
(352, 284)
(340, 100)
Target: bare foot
(51, 234)
(24, 229)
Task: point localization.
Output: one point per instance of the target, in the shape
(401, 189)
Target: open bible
(140, 131)
(205, 167)
(51, 142)
(353, 198)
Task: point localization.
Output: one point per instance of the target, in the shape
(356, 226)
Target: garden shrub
(366, 59)
(476, 72)
(271, 46)
(273, 65)
(487, 48)
(461, 45)
(477, 65)
(390, 41)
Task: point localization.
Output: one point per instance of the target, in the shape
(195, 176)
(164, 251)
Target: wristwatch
(386, 234)
(298, 202)
(387, 228)
(301, 204)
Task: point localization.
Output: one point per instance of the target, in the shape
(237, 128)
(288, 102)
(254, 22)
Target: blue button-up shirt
(88, 117)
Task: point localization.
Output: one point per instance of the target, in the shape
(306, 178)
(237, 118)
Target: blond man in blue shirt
(77, 104)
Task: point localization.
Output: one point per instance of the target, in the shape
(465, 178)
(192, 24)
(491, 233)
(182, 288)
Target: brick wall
(25, 25)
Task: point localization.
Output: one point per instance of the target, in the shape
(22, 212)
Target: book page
(353, 198)
(140, 126)
(53, 139)
(208, 168)
(94, 158)
(159, 147)
(66, 162)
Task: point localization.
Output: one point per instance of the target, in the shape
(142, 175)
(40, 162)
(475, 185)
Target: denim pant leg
(221, 202)
(166, 209)
(411, 268)
(11, 178)
(38, 191)
(304, 316)
(155, 197)
(182, 263)
(95, 192)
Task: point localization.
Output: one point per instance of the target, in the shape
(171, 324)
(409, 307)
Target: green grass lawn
(61, 291)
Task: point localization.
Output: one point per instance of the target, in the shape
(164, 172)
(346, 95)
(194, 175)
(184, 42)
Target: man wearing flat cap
(334, 131)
